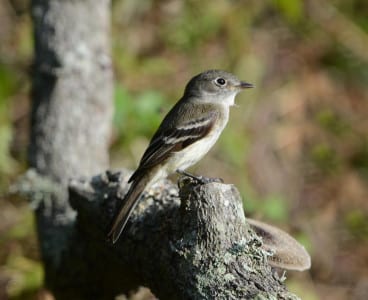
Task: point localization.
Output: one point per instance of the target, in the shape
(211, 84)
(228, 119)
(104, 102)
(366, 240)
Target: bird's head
(215, 86)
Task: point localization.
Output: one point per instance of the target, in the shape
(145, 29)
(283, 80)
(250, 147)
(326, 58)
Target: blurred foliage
(291, 10)
(357, 223)
(27, 275)
(360, 158)
(7, 88)
(345, 66)
(331, 122)
(275, 208)
(141, 112)
(296, 146)
(325, 158)
(193, 27)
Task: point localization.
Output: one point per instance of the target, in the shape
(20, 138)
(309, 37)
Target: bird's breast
(190, 155)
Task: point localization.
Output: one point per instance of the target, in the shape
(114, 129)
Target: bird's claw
(200, 179)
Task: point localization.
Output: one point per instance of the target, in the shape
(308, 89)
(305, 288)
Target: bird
(186, 134)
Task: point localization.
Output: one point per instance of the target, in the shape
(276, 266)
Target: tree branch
(191, 243)
(198, 248)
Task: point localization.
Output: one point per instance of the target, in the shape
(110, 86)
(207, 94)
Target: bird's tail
(129, 202)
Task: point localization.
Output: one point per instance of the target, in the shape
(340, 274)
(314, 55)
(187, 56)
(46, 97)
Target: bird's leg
(200, 179)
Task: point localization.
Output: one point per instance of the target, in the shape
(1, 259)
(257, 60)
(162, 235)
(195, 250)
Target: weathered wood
(199, 247)
(191, 243)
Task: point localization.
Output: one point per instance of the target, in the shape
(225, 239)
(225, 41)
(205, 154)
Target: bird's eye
(220, 81)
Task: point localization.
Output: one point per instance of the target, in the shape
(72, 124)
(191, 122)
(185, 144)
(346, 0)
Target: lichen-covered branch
(199, 247)
(191, 243)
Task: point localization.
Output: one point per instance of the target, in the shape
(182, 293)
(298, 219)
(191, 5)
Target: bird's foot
(200, 179)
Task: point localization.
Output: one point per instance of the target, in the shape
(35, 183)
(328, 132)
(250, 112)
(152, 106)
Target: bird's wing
(173, 140)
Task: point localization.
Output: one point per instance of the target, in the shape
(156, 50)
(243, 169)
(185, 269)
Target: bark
(71, 111)
(191, 243)
(72, 88)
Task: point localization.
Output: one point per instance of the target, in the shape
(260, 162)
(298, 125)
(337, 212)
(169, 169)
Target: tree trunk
(71, 111)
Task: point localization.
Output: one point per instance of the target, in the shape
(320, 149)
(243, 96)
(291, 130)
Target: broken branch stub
(195, 247)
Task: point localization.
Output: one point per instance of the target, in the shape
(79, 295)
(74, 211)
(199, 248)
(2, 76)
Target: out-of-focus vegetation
(296, 146)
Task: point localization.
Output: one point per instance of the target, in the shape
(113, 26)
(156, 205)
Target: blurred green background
(296, 146)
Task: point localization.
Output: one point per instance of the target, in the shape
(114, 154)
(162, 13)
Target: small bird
(185, 135)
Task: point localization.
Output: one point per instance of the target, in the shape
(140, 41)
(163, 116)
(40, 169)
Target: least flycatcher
(185, 135)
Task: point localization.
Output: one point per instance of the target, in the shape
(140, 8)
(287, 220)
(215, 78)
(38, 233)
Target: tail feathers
(128, 204)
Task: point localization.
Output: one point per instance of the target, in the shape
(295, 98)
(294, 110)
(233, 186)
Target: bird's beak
(245, 85)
